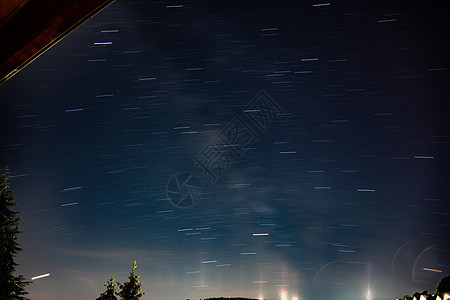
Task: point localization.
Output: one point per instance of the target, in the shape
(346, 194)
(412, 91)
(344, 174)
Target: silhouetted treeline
(130, 290)
(442, 292)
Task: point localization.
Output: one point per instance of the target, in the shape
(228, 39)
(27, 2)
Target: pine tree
(131, 290)
(110, 293)
(12, 287)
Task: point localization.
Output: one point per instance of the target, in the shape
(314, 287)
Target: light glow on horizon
(369, 294)
(283, 295)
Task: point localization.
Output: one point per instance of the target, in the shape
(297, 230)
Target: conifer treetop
(12, 287)
(131, 290)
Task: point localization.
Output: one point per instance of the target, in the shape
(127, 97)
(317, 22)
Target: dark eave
(29, 27)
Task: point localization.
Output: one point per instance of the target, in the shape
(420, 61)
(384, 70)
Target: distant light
(103, 43)
(40, 276)
(321, 4)
(260, 234)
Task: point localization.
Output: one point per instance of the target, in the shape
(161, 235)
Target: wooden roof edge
(71, 17)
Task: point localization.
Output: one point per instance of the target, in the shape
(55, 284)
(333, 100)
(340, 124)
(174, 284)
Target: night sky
(273, 149)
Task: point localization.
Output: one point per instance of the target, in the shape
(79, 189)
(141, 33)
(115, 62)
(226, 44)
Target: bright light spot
(283, 295)
(294, 298)
(369, 294)
(40, 276)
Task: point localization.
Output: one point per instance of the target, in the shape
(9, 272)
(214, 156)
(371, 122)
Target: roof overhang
(29, 27)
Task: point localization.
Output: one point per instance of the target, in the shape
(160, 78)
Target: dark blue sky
(335, 178)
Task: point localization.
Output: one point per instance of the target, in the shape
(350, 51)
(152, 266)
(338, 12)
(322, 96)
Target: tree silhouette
(443, 288)
(110, 293)
(444, 285)
(11, 287)
(131, 290)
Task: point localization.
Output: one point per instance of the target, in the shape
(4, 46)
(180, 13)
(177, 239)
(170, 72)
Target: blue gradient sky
(345, 190)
